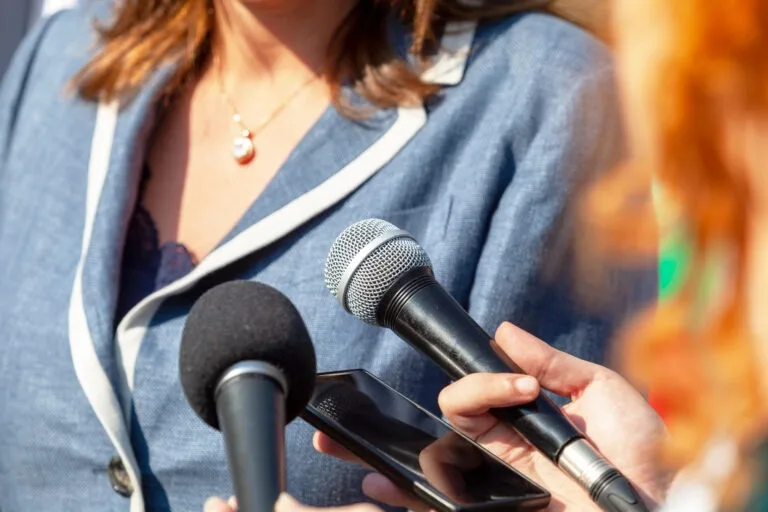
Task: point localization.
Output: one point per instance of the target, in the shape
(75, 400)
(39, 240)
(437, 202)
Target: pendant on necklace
(243, 149)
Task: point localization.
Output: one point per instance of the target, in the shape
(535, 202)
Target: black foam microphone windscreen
(244, 321)
(247, 366)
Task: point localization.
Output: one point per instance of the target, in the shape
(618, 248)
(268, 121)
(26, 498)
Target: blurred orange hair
(694, 74)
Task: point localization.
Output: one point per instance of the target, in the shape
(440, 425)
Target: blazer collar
(450, 63)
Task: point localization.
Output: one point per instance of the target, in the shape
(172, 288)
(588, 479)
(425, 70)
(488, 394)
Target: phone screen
(422, 447)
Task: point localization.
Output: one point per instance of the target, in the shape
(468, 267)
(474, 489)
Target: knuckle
(506, 385)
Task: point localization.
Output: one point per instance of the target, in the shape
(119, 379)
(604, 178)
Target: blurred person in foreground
(694, 75)
(184, 143)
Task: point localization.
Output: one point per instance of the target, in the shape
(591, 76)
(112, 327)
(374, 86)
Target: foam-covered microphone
(247, 366)
(381, 275)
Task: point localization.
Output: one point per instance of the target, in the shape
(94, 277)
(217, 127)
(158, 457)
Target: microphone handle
(251, 411)
(425, 315)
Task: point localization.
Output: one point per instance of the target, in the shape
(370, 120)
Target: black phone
(419, 452)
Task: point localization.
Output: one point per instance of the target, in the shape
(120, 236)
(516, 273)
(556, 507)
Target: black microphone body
(419, 310)
(424, 314)
(247, 367)
(250, 406)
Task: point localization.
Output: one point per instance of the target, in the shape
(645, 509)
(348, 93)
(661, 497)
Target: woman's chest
(200, 184)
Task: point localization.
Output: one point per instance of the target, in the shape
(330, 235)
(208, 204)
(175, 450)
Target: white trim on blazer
(91, 375)
(448, 69)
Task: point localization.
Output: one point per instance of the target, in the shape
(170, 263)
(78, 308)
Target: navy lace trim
(148, 266)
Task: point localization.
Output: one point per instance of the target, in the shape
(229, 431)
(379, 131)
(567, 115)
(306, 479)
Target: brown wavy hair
(695, 79)
(145, 34)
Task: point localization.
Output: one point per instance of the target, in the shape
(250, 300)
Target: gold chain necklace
(243, 148)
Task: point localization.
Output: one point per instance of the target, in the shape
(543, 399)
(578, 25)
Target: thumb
(556, 371)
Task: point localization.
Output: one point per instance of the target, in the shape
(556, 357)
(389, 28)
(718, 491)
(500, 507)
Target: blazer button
(118, 477)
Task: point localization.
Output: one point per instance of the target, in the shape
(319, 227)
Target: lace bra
(148, 266)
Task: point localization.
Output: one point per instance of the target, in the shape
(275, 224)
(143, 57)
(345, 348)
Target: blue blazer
(481, 176)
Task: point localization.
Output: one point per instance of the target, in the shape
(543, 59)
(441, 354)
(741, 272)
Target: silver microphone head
(366, 260)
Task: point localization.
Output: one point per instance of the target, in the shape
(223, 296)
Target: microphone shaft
(435, 324)
(251, 411)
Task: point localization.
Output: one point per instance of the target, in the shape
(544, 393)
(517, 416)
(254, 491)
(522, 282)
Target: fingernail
(232, 502)
(526, 385)
(285, 503)
(213, 504)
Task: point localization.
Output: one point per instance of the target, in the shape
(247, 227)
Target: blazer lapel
(121, 173)
(113, 174)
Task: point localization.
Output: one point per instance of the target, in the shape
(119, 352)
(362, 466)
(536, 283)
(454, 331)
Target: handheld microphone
(381, 275)
(247, 366)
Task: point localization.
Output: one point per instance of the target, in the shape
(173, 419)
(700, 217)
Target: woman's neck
(256, 41)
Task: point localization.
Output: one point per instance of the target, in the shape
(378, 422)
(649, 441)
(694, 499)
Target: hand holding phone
(417, 451)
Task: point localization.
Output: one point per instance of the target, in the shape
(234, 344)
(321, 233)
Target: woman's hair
(695, 80)
(145, 34)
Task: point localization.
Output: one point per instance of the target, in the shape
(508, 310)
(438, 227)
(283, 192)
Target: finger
(216, 504)
(380, 488)
(556, 371)
(477, 393)
(287, 503)
(466, 404)
(328, 446)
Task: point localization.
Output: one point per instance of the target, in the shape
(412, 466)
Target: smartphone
(419, 452)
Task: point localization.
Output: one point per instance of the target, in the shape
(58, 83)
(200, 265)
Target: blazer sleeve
(525, 272)
(15, 81)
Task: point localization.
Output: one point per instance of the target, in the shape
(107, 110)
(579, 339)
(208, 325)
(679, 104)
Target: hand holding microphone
(381, 275)
(618, 420)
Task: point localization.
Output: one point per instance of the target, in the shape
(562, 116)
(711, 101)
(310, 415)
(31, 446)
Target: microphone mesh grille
(377, 272)
(350, 242)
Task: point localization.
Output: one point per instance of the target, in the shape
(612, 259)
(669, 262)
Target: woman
(694, 76)
(193, 142)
